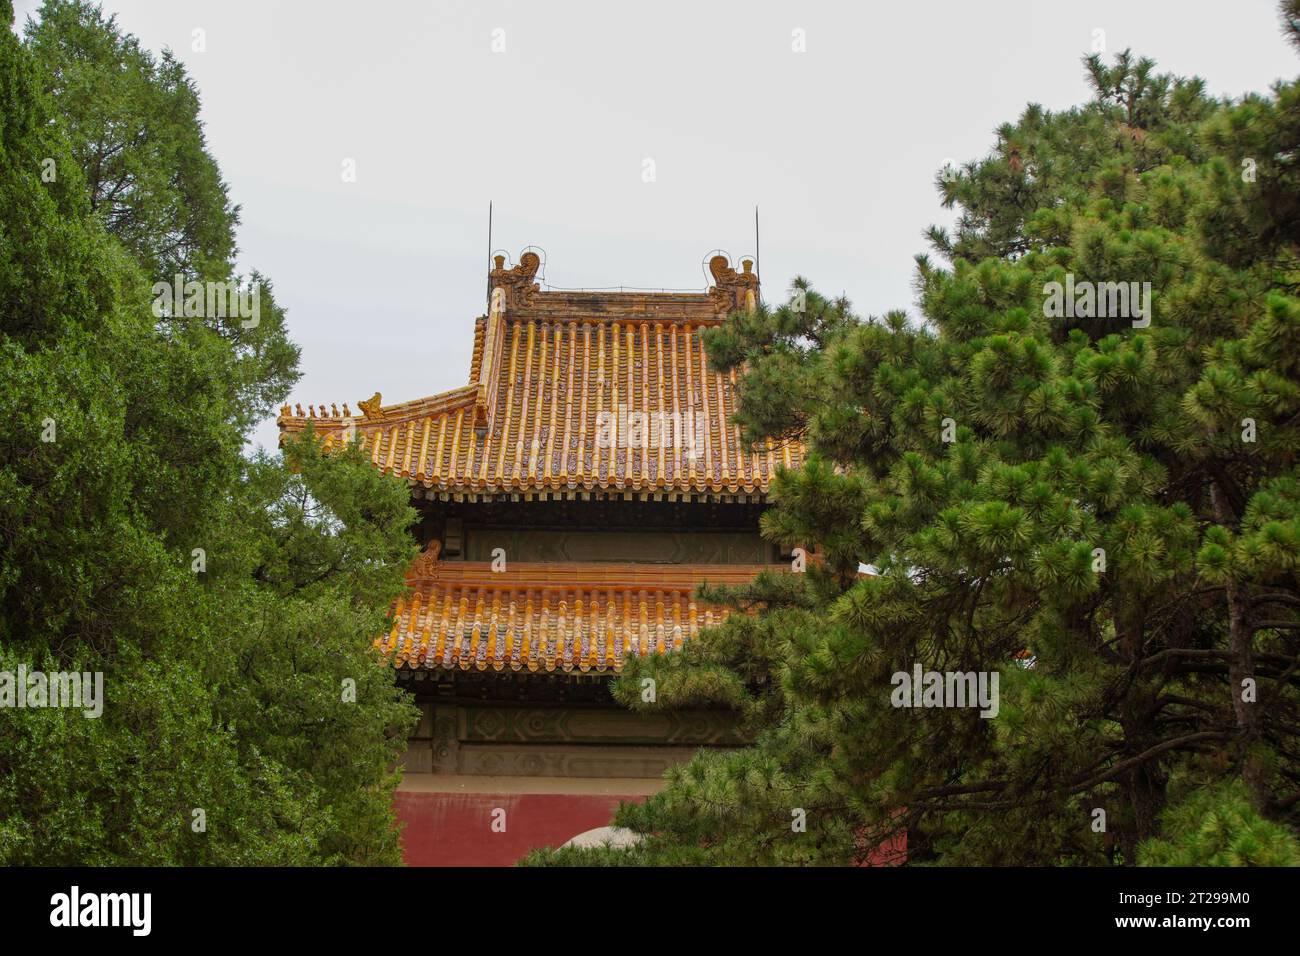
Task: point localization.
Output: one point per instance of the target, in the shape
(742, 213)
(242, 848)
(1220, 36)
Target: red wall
(455, 829)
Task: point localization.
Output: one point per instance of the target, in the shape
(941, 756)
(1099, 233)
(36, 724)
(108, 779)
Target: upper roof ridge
(524, 298)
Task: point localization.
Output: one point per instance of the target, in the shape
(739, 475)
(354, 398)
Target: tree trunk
(1241, 672)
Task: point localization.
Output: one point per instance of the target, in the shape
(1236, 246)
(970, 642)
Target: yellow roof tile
(572, 617)
(574, 392)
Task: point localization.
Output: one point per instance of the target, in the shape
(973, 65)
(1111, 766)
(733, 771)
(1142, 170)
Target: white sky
(838, 145)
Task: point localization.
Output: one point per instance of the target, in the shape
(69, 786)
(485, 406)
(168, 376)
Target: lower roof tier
(587, 618)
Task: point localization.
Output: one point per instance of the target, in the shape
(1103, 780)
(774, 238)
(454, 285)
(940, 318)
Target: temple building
(572, 495)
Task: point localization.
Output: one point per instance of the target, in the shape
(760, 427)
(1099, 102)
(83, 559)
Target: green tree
(1217, 826)
(134, 129)
(1101, 507)
(230, 603)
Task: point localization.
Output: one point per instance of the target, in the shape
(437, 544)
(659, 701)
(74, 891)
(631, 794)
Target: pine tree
(1100, 507)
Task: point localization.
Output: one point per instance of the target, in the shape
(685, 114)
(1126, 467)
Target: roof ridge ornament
(372, 408)
(733, 290)
(517, 282)
(425, 565)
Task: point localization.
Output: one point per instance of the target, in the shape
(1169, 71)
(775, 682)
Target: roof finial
(731, 289)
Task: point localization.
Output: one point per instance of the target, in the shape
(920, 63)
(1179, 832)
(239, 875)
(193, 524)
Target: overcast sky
(838, 145)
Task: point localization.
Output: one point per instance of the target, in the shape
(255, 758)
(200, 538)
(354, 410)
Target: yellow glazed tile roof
(571, 392)
(547, 617)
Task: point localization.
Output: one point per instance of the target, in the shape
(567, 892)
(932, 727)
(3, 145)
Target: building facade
(572, 496)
